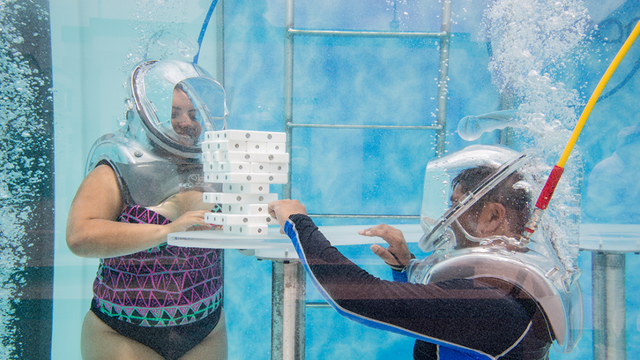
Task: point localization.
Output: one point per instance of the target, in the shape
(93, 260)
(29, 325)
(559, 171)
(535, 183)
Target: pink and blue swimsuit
(162, 293)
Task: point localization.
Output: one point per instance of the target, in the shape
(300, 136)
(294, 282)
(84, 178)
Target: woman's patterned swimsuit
(162, 286)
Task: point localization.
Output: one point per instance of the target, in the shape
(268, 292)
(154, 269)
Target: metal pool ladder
(288, 304)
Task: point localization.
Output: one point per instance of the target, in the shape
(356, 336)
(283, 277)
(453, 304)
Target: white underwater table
(288, 287)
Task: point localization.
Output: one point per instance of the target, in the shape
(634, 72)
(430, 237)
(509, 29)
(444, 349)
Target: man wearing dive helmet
(484, 292)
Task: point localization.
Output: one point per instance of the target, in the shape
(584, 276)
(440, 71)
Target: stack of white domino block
(246, 163)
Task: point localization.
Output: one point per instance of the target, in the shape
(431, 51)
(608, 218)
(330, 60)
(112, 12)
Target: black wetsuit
(484, 318)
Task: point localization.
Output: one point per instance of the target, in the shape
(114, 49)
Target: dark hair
(504, 193)
(180, 87)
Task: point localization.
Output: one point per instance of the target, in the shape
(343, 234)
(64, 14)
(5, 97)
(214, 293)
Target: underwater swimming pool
(540, 58)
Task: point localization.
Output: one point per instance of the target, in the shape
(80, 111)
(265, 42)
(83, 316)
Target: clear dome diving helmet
(475, 205)
(153, 86)
(171, 105)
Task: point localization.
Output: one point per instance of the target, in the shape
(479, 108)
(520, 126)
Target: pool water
(541, 58)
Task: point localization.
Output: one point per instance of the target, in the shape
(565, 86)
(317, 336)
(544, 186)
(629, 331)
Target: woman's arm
(93, 229)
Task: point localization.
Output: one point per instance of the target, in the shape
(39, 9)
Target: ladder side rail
(288, 88)
(443, 77)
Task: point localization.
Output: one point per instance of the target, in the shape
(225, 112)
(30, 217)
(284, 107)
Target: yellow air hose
(556, 173)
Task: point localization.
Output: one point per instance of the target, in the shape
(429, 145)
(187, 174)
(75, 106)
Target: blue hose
(204, 28)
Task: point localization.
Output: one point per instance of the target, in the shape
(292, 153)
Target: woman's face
(183, 118)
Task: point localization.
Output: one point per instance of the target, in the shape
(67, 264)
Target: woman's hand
(190, 221)
(280, 210)
(397, 253)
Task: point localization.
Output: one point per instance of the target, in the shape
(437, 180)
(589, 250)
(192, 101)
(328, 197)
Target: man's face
(468, 220)
(485, 219)
(183, 118)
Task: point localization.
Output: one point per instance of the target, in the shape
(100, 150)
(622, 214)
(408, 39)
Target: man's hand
(281, 210)
(397, 253)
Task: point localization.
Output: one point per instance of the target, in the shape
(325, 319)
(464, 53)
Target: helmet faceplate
(153, 88)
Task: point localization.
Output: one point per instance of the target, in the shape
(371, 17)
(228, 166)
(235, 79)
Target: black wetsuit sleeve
(480, 314)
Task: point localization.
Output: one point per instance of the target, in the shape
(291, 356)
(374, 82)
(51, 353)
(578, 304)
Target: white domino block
(212, 177)
(245, 188)
(227, 198)
(251, 135)
(233, 167)
(256, 146)
(282, 168)
(212, 135)
(276, 147)
(249, 209)
(223, 167)
(250, 178)
(210, 166)
(237, 219)
(247, 230)
(227, 145)
(215, 136)
(207, 157)
(260, 168)
(213, 218)
(215, 156)
(238, 156)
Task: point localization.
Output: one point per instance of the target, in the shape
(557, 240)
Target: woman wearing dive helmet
(481, 294)
(152, 300)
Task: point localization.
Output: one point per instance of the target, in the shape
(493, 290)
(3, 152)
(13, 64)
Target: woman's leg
(213, 347)
(100, 342)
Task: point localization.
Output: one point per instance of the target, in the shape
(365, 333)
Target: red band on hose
(549, 187)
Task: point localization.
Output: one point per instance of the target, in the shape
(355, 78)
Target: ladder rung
(353, 33)
(342, 126)
(317, 304)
